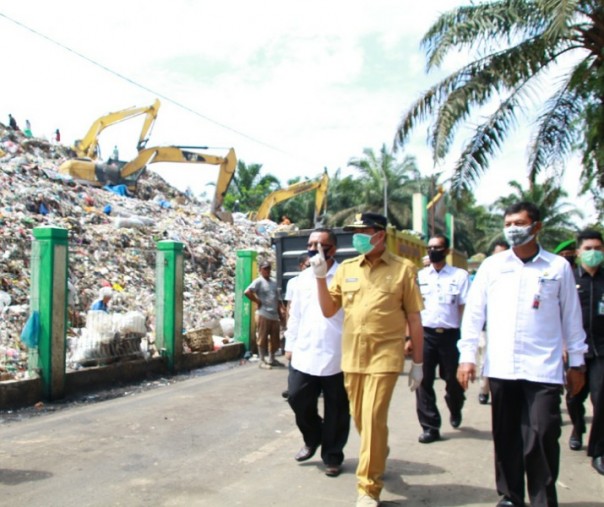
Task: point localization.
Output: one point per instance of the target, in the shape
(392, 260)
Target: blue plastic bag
(31, 331)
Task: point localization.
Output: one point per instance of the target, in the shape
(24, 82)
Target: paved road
(228, 439)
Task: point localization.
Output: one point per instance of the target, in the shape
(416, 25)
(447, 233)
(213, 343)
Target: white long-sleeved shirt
(443, 292)
(314, 341)
(532, 313)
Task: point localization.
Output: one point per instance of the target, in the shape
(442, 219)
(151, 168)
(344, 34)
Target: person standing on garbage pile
(379, 295)
(101, 304)
(589, 277)
(528, 299)
(57, 136)
(444, 289)
(314, 349)
(116, 154)
(12, 123)
(483, 382)
(27, 131)
(263, 291)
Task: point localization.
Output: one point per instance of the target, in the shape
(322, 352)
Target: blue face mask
(362, 243)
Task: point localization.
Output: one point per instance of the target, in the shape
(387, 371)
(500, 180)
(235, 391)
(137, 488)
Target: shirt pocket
(550, 288)
(350, 291)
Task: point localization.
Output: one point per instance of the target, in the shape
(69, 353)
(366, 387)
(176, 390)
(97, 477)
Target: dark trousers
(593, 384)
(331, 433)
(526, 428)
(595, 447)
(440, 350)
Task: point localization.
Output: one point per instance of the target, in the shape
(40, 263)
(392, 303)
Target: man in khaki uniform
(380, 297)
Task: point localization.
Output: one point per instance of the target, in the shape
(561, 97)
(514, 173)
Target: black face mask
(571, 260)
(436, 255)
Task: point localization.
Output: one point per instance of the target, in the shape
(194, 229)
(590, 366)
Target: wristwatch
(581, 368)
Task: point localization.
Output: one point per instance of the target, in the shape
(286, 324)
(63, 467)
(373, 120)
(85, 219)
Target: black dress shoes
(285, 394)
(483, 399)
(598, 464)
(575, 442)
(428, 436)
(505, 502)
(333, 470)
(455, 420)
(305, 453)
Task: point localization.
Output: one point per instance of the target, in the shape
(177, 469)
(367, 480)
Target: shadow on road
(14, 477)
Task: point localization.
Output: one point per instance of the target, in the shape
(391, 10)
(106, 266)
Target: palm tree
(516, 43)
(249, 187)
(399, 178)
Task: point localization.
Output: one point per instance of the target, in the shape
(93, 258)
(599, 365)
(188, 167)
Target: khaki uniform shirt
(376, 300)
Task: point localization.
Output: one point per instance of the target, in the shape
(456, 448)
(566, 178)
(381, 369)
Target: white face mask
(518, 235)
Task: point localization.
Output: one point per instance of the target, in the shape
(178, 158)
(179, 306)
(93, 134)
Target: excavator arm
(119, 173)
(284, 194)
(88, 145)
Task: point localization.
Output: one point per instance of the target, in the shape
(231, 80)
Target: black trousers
(595, 446)
(526, 429)
(440, 350)
(331, 433)
(593, 384)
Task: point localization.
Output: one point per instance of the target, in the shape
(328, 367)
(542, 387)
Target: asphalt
(228, 439)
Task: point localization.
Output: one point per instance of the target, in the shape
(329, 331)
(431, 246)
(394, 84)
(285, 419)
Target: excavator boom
(293, 190)
(88, 145)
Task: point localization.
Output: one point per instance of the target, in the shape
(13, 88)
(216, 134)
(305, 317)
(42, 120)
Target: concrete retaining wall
(24, 393)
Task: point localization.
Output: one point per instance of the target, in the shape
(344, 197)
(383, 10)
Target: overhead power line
(146, 88)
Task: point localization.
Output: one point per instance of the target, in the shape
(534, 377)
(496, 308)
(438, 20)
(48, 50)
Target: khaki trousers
(369, 395)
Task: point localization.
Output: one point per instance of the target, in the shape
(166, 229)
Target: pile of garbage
(112, 242)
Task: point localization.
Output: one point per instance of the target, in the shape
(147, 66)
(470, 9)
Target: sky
(296, 87)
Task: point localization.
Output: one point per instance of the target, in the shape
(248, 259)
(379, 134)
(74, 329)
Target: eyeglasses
(315, 244)
(436, 248)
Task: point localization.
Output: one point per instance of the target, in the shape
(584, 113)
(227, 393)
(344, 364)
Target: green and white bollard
(245, 272)
(169, 289)
(49, 298)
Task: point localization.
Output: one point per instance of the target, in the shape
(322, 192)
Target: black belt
(441, 330)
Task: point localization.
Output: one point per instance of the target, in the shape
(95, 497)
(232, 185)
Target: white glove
(318, 263)
(416, 374)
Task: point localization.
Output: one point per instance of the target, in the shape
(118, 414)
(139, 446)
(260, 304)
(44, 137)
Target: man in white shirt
(314, 347)
(444, 289)
(528, 298)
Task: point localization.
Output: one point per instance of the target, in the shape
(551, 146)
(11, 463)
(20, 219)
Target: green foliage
(515, 43)
(249, 187)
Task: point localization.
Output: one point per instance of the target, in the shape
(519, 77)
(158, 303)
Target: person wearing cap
(528, 299)
(568, 250)
(589, 277)
(444, 289)
(263, 291)
(379, 296)
(101, 304)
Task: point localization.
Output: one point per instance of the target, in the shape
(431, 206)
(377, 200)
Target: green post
(169, 289)
(245, 272)
(49, 299)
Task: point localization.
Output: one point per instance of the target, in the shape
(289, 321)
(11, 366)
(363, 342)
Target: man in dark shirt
(590, 284)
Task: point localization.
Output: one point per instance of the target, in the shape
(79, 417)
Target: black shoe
(455, 420)
(575, 442)
(428, 436)
(285, 394)
(333, 470)
(483, 399)
(506, 502)
(598, 464)
(305, 453)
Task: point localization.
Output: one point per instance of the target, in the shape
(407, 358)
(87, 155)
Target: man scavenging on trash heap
(379, 295)
(101, 304)
(528, 299)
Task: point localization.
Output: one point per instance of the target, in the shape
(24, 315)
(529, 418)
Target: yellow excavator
(301, 187)
(88, 146)
(114, 172)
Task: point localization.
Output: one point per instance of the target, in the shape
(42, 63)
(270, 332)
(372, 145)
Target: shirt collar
(386, 257)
